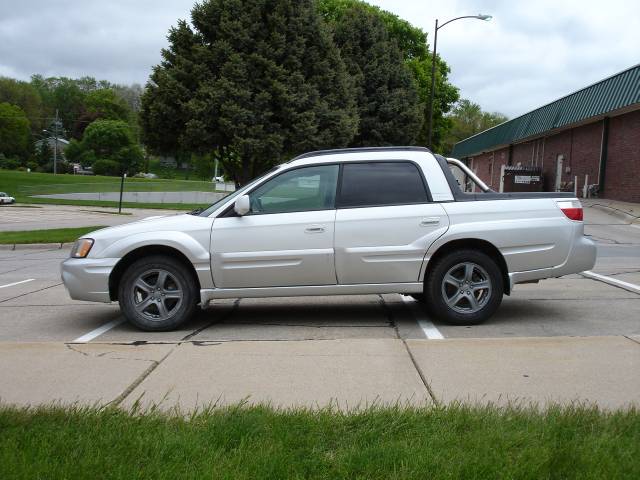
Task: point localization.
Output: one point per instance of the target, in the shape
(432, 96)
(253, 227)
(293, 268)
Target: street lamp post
(433, 65)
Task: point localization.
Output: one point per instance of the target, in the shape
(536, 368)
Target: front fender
(191, 248)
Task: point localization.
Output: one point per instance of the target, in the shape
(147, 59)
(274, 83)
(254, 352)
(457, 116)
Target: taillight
(572, 210)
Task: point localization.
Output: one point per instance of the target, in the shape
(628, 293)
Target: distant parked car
(6, 199)
(80, 170)
(217, 179)
(146, 175)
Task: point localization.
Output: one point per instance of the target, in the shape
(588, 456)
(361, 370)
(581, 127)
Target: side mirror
(242, 205)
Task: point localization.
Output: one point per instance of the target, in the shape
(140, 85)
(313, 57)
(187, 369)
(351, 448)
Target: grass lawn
(56, 235)
(22, 185)
(260, 443)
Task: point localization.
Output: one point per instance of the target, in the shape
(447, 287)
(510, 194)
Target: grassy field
(57, 235)
(455, 442)
(22, 185)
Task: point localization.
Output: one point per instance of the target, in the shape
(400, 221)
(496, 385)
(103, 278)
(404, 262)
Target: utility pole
(55, 148)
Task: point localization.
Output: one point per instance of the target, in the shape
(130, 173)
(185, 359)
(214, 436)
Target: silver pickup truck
(339, 222)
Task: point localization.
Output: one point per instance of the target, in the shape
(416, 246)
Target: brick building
(591, 135)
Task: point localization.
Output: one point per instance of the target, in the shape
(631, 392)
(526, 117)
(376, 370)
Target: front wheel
(464, 287)
(157, 293)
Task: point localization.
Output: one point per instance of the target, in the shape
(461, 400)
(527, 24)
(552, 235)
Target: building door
(559, 162)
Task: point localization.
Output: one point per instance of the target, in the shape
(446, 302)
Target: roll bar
(469, 173)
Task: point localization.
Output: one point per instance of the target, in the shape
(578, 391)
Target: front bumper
(582, 257)
(88, 278)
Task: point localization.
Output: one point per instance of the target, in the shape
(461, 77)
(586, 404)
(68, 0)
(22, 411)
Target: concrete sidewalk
(624, 210)
(345, 373)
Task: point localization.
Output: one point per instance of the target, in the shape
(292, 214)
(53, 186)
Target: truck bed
(461, 196)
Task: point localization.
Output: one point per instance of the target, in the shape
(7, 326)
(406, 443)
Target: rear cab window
(371, 184)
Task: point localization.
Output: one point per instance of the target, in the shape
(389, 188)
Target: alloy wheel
(466, 287)
(157, 294)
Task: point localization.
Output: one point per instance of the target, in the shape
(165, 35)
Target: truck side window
(381, 183)
(298, 190)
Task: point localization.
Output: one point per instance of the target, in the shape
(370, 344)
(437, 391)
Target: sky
(531, 52)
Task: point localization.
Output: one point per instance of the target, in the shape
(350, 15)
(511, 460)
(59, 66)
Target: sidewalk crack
(632, 339)
(127, 391)
(393, 323)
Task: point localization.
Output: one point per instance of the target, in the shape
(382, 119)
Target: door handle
(425, 222)
(314, 229)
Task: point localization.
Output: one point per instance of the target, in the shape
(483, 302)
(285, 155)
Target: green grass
(56, 235)
(23, 185)
(261, 443)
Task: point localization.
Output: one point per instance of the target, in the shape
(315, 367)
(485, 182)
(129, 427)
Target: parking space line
(429, 329)
(612, 281)
(99, 331)
(17, 283)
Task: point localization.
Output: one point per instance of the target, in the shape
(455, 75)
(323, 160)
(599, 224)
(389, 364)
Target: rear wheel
(464, 287)
(157, 293)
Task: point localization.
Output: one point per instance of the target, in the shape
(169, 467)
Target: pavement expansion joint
(234, 308)
(389, 313)
(127, 391)
(29, 293)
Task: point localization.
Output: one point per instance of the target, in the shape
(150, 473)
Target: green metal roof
(613, 93)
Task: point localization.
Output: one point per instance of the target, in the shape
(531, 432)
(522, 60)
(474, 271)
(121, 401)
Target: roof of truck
(337, 151)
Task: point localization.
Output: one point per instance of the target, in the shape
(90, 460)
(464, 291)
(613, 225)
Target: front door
(384, 223)
(287, 237)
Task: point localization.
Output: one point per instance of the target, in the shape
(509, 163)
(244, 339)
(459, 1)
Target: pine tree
(254, 81)
(388, 103)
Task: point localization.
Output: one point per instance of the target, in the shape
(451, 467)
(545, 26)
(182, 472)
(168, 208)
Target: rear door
(384, 223)
(287, 237)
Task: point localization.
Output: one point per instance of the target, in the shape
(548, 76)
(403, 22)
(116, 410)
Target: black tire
(166, 306)
(466, 302)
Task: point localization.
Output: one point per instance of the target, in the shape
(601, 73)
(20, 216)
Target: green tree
(204, 166)
(15, 132)
(412, 42)
(467, 118)
(388, 103)
(105, 104)
(43, 154)
(110, 140)
(255, 81)
(61, 93)
(26, 97)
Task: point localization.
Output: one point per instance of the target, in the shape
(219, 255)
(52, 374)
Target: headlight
(82, 248)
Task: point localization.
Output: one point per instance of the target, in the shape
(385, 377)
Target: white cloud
(532, 52)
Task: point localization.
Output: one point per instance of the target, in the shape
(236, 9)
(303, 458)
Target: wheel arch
(145, 251)
(474, 244)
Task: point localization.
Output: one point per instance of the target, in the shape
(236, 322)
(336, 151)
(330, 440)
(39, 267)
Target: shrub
(9, 163)
(106, 167)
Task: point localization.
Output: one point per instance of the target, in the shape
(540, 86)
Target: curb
(34, 246)
(617, 212)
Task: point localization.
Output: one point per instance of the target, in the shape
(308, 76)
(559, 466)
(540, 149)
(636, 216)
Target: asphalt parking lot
(35, 307)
